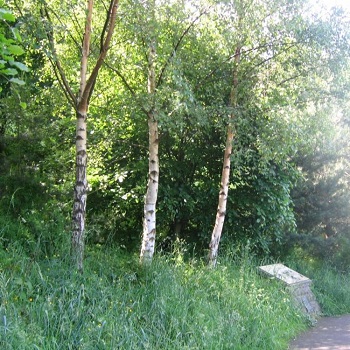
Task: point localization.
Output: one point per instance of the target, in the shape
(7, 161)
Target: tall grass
(331, 285)
(116, 304)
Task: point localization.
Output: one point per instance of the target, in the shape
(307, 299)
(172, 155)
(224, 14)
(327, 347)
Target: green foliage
(29, 177)
(284, 96)
(10, 50)
(331, 286)
(321, 199)
(260, 205)
(116, 304)
(38, 233)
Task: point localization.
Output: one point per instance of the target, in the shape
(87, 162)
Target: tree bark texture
(80, 187)
(82, 105)
(149, 220)
(221, 211)
(225, 175)
(80, 190)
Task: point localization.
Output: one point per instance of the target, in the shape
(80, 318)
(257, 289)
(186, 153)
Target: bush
(39, 233)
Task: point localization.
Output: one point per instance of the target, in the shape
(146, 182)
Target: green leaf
(16, 34)
(17, 81)
(15, 50)
(23, 105)
(9, 71)
(20, 66)
(7, 15)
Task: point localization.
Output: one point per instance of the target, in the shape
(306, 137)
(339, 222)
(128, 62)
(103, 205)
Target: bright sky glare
(340, 3)
(331, 3)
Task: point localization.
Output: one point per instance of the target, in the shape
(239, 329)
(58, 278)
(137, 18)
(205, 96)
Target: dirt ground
(330, 333)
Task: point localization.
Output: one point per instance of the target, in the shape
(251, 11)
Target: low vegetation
(116, 304)
(331, 285)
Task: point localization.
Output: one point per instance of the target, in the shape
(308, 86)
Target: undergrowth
(116, 304)
(331, 285)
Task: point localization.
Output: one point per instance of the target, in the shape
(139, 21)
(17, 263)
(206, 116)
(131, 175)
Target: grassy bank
(331, 285)
(118, 305)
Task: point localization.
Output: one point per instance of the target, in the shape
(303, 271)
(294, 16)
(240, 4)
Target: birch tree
(149, 215)
(157, 43)
(80, 102)
(255, 46)
(149, 220)
(226, 168)
(279, 55)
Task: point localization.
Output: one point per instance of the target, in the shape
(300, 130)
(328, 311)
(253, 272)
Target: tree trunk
(149, 220)
(81, 105)
(80, 189)
(225, 176)
(221, 212)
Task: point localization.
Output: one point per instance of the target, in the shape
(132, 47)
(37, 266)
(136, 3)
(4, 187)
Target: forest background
(125, 113)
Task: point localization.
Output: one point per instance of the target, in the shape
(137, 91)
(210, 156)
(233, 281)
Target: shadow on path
(330, 333)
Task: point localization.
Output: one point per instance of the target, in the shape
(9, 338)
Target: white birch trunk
(80, 188)
(225, 176)
(81, 105)
(149, 220)
(80, 191)
(221, 212)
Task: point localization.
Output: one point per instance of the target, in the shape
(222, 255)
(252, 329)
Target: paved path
(330, 333)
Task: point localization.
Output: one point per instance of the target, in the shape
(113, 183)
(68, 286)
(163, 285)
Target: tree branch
(69, 32)
(229, 58)
(126, 84)
(61, 84)
(91, 81)
(85, 53)
(290, 78)
(105, 26)
(177, 45)
(55, 61)
(123, 79)
(102, 38)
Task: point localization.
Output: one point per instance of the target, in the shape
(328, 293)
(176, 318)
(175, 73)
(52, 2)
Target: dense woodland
(140, 115)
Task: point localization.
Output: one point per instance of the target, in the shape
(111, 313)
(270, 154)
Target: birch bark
(81, 105)
(80, 187)
(149, 220)
(150, 202)
(226, 168)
